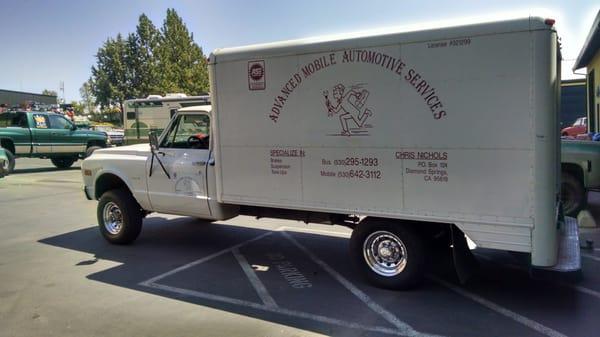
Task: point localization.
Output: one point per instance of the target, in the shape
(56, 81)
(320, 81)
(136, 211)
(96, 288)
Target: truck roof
(206, 108)
(389, 36)
(171, 99)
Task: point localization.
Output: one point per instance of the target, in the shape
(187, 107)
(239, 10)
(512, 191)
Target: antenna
(62, 90)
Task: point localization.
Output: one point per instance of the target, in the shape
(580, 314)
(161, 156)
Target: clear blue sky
(45, 42)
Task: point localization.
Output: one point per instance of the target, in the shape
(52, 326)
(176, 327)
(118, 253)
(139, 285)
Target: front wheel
(119, 217)
(389, 254)
(90, 150)
(62, 163)
(11, 160)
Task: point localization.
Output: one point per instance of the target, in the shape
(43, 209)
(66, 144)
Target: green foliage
(109, 75)
(183, 66)
(78, 107)
(149, 61)
(86, 92)
(49, 92)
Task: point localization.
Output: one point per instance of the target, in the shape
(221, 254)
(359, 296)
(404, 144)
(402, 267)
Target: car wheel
(119, 217)
(11, 161)
(572, 194)
(63, 163)
(389, 254)
(91, 150)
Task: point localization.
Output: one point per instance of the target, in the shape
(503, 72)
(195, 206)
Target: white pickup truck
(407, 137)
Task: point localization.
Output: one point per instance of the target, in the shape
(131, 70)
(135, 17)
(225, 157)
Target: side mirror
(153, 141)
(73, 127)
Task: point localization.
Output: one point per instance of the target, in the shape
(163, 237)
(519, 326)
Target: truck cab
(179, 178)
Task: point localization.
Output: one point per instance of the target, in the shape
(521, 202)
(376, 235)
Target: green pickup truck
(580, 172)
(46, 135)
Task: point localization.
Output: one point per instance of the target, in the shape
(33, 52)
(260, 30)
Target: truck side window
(41, 121)
(59, 122)
(188, 132)
(21, 120)
(130, 115)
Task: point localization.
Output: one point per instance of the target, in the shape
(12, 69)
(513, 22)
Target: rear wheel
(119, 216)
(389, 254)
(63, 163)
(572, 193)
(11, 160)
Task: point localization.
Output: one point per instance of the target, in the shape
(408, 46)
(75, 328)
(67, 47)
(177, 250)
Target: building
(10, 98)
(589, 57)
(572, 101)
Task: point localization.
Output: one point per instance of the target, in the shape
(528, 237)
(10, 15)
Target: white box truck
(406, 137)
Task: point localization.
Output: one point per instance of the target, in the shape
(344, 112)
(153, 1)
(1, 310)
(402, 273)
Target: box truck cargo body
(451, 128)
(455, 125)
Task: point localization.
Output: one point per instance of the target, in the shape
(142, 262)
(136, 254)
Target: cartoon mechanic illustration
(350, 104)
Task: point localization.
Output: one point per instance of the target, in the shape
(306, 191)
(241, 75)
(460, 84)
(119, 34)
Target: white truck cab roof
(196, 109)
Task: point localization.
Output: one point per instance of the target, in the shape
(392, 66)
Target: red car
(579, 127)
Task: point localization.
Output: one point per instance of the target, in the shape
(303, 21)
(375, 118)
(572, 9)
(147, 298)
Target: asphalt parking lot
(247, 277)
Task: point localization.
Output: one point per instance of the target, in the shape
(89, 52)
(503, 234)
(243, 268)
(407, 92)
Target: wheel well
(96, 143)
(427, 229)
(107, 182)
(8, 144)
(573, 169)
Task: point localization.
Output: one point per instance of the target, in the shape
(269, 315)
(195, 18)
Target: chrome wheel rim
(385, 253)
(113, 218)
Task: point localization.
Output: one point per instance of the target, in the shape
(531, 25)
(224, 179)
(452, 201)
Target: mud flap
(465, 263)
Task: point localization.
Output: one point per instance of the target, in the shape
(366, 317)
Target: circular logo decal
(257, 71)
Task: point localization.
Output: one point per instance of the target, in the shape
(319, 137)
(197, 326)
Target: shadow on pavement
(213, 276)
(42, 169)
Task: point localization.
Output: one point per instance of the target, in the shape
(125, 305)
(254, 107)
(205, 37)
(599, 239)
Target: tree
(182, 65)
(142, 61)
(49, 92)
(149, 61)
(109, 75)
(78, 108)
(86, 92)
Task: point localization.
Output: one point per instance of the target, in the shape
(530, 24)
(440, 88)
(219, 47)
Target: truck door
(40, 134)
(184, 152)
(63, 137)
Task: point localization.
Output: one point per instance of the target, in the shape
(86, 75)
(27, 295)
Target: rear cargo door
(184, 152)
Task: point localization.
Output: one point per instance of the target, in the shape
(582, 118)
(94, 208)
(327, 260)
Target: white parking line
(499, 309)
(403, 329)
(591, 257)
(277, 310)
(388, 316)
(204, 259)
(254, 280)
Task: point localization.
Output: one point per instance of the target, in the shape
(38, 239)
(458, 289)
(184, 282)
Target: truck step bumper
(569, 257)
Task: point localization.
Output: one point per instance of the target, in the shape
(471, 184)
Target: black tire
(63, 163)
(11, 161)
(406, 277)
(573, 194)
(91, 150)
(130, 215)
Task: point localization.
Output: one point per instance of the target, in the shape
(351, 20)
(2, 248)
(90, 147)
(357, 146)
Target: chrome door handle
(199, 163)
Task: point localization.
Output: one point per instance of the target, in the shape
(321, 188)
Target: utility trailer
(407, 137)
